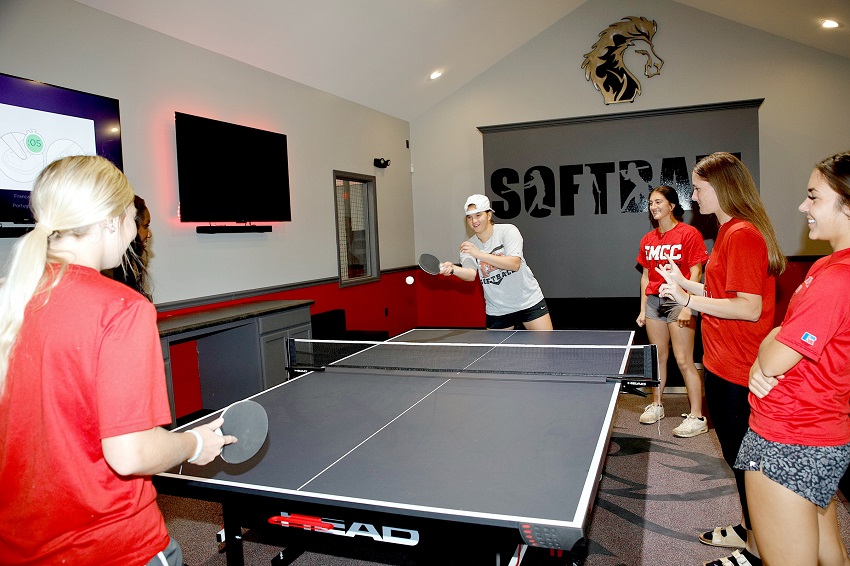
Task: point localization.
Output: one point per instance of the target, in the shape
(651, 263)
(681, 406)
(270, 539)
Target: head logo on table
(392, 535)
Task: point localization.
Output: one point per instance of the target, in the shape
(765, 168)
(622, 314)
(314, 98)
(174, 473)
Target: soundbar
(231, 229)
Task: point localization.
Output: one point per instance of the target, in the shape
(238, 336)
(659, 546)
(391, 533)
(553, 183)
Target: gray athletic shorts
(812, 472)
(658, 308)
(172, 555)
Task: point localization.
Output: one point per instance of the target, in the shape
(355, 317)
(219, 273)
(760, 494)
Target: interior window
(356, 228)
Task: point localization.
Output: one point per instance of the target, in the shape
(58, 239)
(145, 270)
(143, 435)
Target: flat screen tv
(230, 173)
(40, 123)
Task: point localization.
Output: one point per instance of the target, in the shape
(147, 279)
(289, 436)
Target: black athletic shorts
(515, 319)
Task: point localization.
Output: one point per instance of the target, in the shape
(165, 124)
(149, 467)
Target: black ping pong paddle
(429, 264)
(248, 422)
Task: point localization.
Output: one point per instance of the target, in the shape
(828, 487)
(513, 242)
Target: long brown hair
(739, 198)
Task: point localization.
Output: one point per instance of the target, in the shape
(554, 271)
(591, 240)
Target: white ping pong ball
(409, 280)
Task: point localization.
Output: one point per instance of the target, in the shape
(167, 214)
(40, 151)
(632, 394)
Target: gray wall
(152, 75)
(581, 186)
(804, 118)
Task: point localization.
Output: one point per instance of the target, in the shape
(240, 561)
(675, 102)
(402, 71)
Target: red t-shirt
(86, 366)
(683, 243)
(738, 263)
(811, 404)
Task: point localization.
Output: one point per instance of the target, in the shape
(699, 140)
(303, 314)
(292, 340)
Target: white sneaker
(691, 426)
(652, 414)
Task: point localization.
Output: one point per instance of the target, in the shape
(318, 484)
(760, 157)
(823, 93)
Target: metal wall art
(605, 67)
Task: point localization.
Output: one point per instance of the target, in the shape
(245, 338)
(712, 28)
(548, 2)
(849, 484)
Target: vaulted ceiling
(380, 53)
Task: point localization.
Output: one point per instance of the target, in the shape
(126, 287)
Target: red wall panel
(184, 378)
(449, 302)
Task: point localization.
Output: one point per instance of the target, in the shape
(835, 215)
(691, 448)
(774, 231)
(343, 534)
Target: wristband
(200, 447)
(689, 300)
(453, 271)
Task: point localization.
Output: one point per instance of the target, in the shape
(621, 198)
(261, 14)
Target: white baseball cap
(481, 203)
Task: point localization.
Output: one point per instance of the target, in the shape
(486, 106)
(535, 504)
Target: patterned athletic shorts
(812, 472)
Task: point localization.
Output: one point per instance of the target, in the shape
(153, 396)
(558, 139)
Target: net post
(650, 365)
(290, 349)
(291, 356)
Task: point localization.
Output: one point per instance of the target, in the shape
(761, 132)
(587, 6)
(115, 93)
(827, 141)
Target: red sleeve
(131, 389)
(693, 247)
(817, 311)
(746, 262)
(641, 257)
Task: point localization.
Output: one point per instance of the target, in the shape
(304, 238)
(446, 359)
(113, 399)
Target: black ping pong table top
(385, 455)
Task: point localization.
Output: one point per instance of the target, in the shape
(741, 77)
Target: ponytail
(68, 197)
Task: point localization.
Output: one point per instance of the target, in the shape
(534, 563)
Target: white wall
(804, 118)
(152, 75)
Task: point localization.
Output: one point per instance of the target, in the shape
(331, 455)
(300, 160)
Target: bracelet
(453, 271)
(689, 300)
(200, 447)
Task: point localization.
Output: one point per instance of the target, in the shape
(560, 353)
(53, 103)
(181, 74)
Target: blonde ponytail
(69, 196)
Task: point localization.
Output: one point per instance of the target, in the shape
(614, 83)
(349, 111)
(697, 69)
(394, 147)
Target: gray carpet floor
(658, 492)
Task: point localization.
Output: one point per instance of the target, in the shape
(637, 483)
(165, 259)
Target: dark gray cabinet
(242, 349)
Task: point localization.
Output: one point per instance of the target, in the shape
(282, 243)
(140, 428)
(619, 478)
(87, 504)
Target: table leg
(232, 534)
(525, 555)
(512, 558)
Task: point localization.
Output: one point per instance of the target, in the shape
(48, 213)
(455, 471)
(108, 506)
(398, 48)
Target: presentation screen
(40, 123)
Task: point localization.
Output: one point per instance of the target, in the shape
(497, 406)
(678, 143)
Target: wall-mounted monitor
(40, 123)
(230, 173)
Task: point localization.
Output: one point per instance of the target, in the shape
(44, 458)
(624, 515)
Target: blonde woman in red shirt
(82, 385)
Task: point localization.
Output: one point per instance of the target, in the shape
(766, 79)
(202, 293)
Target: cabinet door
(303, 331)
(275, 354)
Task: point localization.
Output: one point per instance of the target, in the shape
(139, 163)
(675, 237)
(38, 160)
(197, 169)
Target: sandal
(737, 558)
(723, 536)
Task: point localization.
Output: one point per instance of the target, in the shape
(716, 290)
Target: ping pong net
(635, 366)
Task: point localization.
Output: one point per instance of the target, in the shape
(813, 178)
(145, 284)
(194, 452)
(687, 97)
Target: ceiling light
(829, 23)
(436, 75)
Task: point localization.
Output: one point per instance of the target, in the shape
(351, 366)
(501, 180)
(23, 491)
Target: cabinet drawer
(285, 319)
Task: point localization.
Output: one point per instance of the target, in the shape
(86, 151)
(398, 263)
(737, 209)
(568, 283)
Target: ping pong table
(487, 459)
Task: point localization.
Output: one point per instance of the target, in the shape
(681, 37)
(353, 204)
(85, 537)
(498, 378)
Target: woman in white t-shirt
(494, 256)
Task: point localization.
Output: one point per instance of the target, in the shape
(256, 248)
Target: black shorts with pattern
(812, 472)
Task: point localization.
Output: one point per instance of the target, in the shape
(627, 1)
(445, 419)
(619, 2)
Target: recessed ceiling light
(829, 23)
(436, 75)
